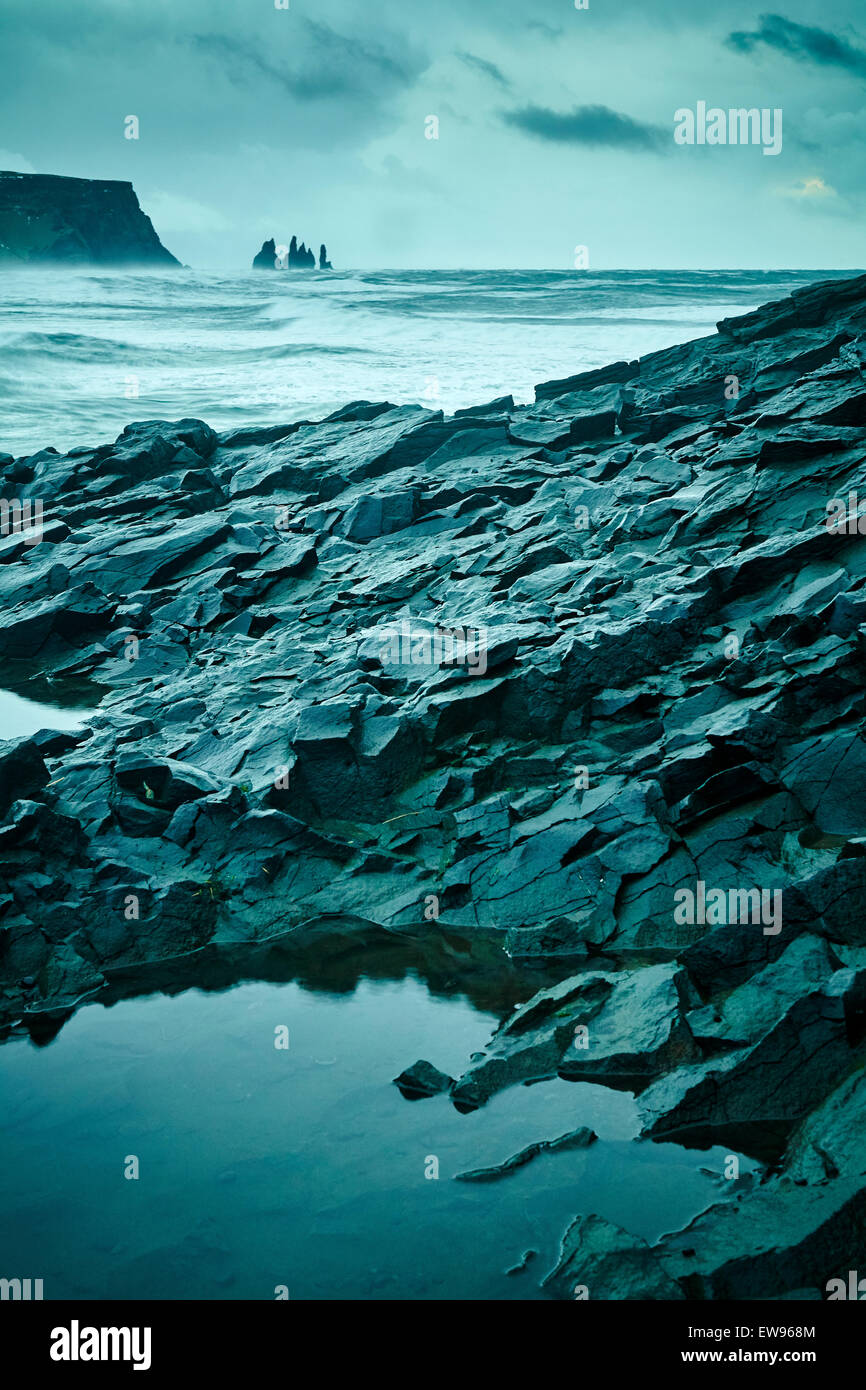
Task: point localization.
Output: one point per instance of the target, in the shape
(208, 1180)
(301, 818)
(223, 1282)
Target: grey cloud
(402, 65)
(243, 62)
(541, 27)
(321, 124)
(484, 66)
(804, 42)
(587, 125)
(333, 64)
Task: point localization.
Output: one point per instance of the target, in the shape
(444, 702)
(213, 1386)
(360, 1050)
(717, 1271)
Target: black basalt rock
(46, 219)
(582, 679)
(267, 257)
(295, 258)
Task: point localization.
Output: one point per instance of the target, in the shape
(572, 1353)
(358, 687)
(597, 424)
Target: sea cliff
(46, 219)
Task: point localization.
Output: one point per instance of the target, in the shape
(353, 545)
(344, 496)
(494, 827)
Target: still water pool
(305, 1167)
(21, 717)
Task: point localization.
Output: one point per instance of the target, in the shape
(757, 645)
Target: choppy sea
(84, 353)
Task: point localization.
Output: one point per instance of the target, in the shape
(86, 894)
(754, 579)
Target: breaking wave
(82, 355)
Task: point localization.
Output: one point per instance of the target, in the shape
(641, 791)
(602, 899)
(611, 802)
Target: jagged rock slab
(777, 1080)
(535, 675)
(598, 1260)
(577, 1139)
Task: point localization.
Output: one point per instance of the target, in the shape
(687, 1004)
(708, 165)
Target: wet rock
(639, 1032)
(373, 516)
(531, 1043)
(666, 690)
(753, 1008)
(31, 825)
(828, 1144)
(181, 917)
(598, 1260)
(775, 1082)
(618, 1029)
(164, 782)
(770, 1244)
(577, 1139)
(22, 771)
(422, 1080)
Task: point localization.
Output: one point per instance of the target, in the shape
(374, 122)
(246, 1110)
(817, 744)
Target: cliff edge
(50, 219)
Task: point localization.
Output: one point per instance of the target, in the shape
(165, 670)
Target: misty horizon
(553, 130)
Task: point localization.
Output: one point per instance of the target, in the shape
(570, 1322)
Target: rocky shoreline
(583, 680)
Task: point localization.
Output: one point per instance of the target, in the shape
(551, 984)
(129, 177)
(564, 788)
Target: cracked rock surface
(524, 674)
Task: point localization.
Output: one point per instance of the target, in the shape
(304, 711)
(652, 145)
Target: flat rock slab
(576, 1139)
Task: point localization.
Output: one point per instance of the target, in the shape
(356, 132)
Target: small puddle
(305, 1167)
(21, 718)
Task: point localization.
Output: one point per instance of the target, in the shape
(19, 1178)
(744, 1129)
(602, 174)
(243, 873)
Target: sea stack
(267, 257)
(48, 219)
(294, 258)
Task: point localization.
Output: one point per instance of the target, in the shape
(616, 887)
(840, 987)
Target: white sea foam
(82, 354)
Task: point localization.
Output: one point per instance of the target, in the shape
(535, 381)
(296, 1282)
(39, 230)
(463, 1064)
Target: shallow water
(20, 717)
(84, 353)
(304, 1167)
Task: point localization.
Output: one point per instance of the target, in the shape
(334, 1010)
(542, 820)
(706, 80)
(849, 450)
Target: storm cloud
(552, 126)
(804, 42)
(330, 64)
(587, 125)
(484, 66)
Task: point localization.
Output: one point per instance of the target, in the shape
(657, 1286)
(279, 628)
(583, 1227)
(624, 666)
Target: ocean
(84, 353)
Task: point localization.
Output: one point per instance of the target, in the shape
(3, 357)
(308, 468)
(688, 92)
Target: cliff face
(49, 219)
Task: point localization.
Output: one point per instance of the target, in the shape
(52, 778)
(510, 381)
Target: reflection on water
(305, 1167)
(32, 700)
(20, 718)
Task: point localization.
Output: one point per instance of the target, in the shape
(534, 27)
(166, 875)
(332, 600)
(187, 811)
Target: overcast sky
(555, 126)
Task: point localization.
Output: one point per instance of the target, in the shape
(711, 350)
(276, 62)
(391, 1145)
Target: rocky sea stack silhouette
(291, 257)
(51, 219)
